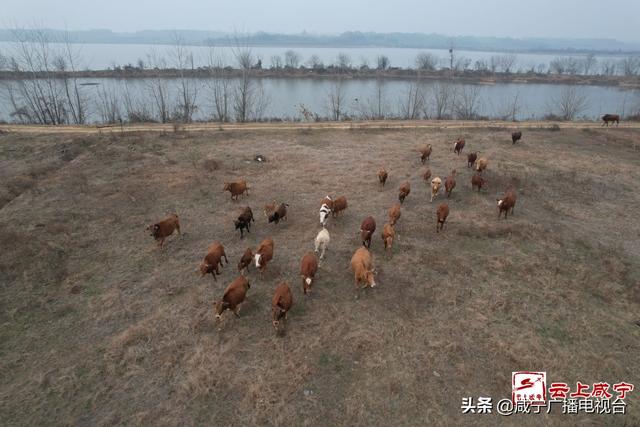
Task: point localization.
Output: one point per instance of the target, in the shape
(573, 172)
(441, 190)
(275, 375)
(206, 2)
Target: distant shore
(468, 76)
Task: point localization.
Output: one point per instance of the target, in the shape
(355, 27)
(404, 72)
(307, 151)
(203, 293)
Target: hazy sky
(619, 19)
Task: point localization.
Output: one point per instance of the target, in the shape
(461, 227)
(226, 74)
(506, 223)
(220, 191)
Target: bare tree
(291, 59)
(426, 61)
(336, 98)
(570, 102)
(412, 104)
(630, 66)
(507, 62)
(138, 109)
(376, 106)
(108, 105)
(382, 62)
(461, 63)
(158, 88)
(343, 62)
(315, 62)
(589, 63)
(468, 102)
(187, 89)
(608, 68)
(276, 62)
(219, 86)
(442, 98)
(249, 100)
(510, 109)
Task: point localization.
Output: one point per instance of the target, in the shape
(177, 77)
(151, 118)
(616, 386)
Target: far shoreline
(335, 73)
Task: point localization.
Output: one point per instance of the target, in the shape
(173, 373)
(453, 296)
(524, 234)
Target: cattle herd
(362, 260)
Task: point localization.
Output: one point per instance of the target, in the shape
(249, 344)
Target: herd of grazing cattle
(362, 260)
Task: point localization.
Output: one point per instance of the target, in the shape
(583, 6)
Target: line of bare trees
(48, 93)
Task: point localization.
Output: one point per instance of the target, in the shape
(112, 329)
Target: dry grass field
(99, 327)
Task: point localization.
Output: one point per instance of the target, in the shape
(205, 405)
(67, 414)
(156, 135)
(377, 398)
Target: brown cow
(264, 254)
(477, 181)
(236, 188)
(450, 183)
(280, 213)
(481, 164)
(610, 118)
(339, 204)
(308, 270)
(442, 213)
(362, 266)
(245, 261)
(163, 229)
(394, 213)
(426, 175)
(388, 234)
(212, 260)
(508, 202)
(516, 136)
(458, 146)
(244, 221)
(382, 176)
(233, 297)
(367, 229)
(471, 159)
(281, 303)
(404, 191)
(425, 153)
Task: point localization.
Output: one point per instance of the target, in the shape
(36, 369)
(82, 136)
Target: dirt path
(383, 124)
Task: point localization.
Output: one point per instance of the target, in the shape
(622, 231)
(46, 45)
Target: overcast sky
(534, 18)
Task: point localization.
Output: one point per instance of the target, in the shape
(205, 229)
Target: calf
(436, 183)
(233, 297)
(244, 220)
(450, 183)
(388, 234)
(245, 261)
(264, 254)
(163, 229)
(404, 191)
(236, 188)
(610, 118)
(471, 159)
(339, 205)
(481, 164)
(516, 136)
(362, 266)
(426, 175)
(477, 181)
(425, 153)
(281, 303)
(442, 213)
(458, 146)
(367, 228)
(394, 213)
(322, 242)
(508, 202)
(382, 176)
(279, 213)
(308, 270)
